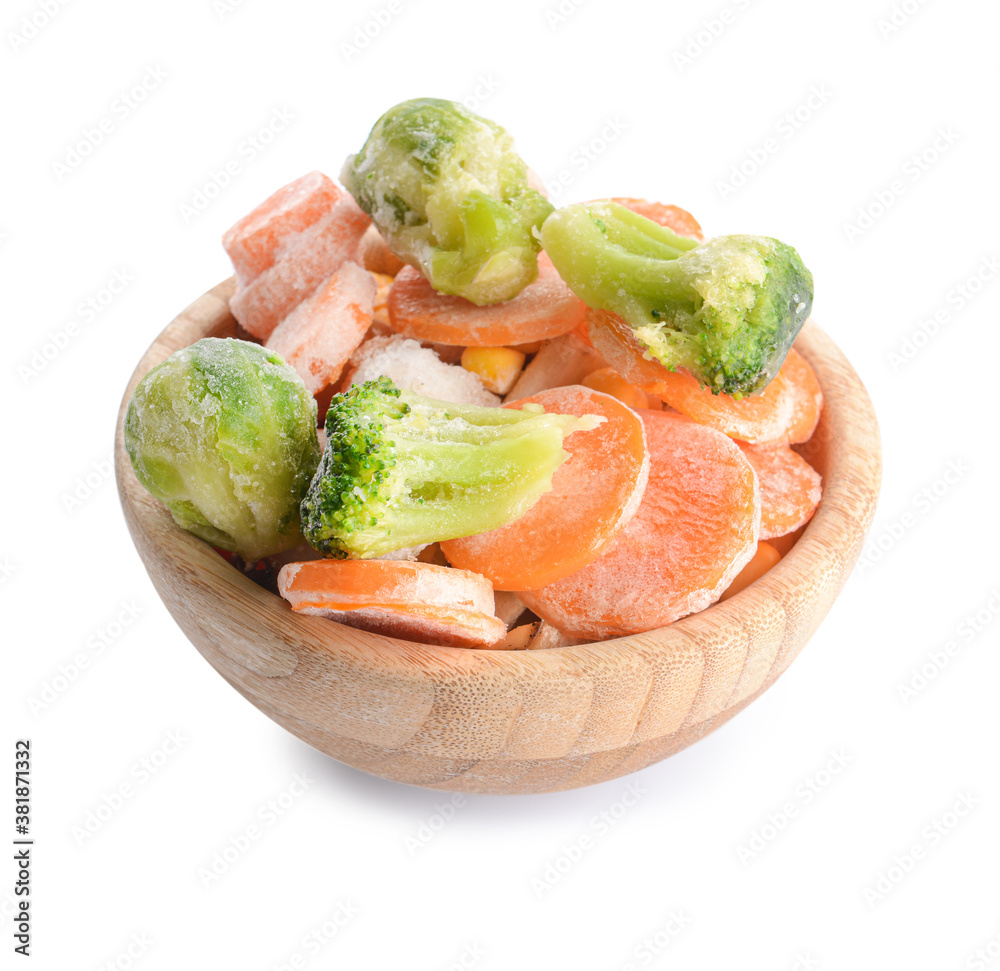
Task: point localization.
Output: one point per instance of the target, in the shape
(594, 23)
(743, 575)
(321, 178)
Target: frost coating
(412, 367)
(451, 197)
(223, 433)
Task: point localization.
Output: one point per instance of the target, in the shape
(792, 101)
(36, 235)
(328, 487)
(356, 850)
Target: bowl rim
(850, 489)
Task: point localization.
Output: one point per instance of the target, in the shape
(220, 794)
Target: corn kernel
(498, 367)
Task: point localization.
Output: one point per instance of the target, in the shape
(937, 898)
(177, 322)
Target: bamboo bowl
(513, 721)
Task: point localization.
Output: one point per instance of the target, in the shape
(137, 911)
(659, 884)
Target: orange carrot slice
(784, 413)
(674, 218)
(595, 493)
(300, 267)
(609, 381)
(413, 600)
(253, 242)
(696, 528)
(321, 333)
(544, 308)
(765, 557)
(790, 488)
(784, 544)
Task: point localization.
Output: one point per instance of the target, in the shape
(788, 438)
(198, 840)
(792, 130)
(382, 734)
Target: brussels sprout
(451, 197)
(223, 433)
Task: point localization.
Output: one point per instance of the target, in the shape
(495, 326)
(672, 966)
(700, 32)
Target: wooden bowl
(513, 721)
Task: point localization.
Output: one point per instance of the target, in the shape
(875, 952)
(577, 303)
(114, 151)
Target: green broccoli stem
(459, 488)
(606, 246)
(637, 234)
(469, 464)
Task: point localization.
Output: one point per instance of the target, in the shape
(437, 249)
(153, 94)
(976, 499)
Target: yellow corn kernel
(611, 382)
(498, 367)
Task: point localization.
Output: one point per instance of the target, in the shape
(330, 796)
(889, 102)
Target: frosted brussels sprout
(223, 433)
(451, 197)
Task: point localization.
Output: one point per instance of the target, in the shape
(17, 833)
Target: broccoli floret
(726, 310)
(451, 196)
(400, 469)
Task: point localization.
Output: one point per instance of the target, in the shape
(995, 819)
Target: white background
(901, 115)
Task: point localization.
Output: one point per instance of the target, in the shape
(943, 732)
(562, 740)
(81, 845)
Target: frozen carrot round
(696, 528)
(544, 308)
(784, 544)
(595, 493)
(674, 218)
(609, 381)
(765, 557)
(398, 598)
(785, 412)
(790, 488)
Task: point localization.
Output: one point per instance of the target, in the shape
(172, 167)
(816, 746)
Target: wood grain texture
(513, 721)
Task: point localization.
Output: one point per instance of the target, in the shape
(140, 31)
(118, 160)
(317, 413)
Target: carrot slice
(300, 267)
(696, 528)
(544, 308)
(321, 333)
(765, 557)
(399, 598)
(609, 381)
(595, 492)
(674, 218)
(784, 544)
(253, 242)
(790, 488)
(785, 412)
